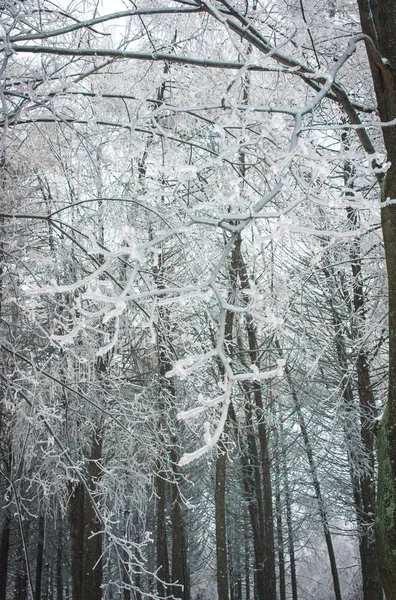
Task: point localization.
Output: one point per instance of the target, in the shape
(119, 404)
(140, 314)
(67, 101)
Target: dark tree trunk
(180, 570)
(4, 552)
(220, 518)
(368, 548)
(92, 556)
(126, 578)
(21, 577)
(59, 560)
(289, 520)
(162, 540)
(167, 395)
(252, 485)
(85, 528)
(264, 542)
(363, 486)
(76, 518)
(40, 556)
(279, 527)
(378, 21)
(269, 540)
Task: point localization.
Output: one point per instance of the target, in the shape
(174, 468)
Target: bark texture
(378, 21)
(85, 527)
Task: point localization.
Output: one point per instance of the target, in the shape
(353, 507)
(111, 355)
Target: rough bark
(378, 21)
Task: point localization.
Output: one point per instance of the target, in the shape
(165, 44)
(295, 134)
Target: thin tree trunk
(40, 556)
(162, 540)
(220, 518)
(126, 576)
(92, 556)
(250, 467)
(59, 560)
(362, 485)
(21, 576)
(4, 442)
(76, 519)
(247, 568)
(316, 485)
(289, 520)
(4, 552)
(279, 527)
(167, 396)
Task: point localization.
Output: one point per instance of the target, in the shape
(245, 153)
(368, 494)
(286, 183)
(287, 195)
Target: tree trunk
(167, 397)
(279, 527)
(220, 518)
(76, 518)
(4, 552)
(266, 576)
(125, 575)
(363, 485)
(378, 21)
(368, 547)
(59, 560)
(86, 541)
(252, 484)
(290, 532)
(92, 557)
(162, 541)
(40, 556)
(316, 485)
(247, 568)
(21, 575)
(180, 571)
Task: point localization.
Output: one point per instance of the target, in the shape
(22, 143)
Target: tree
(378, 23)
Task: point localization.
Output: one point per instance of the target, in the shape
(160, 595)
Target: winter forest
(198, 299)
